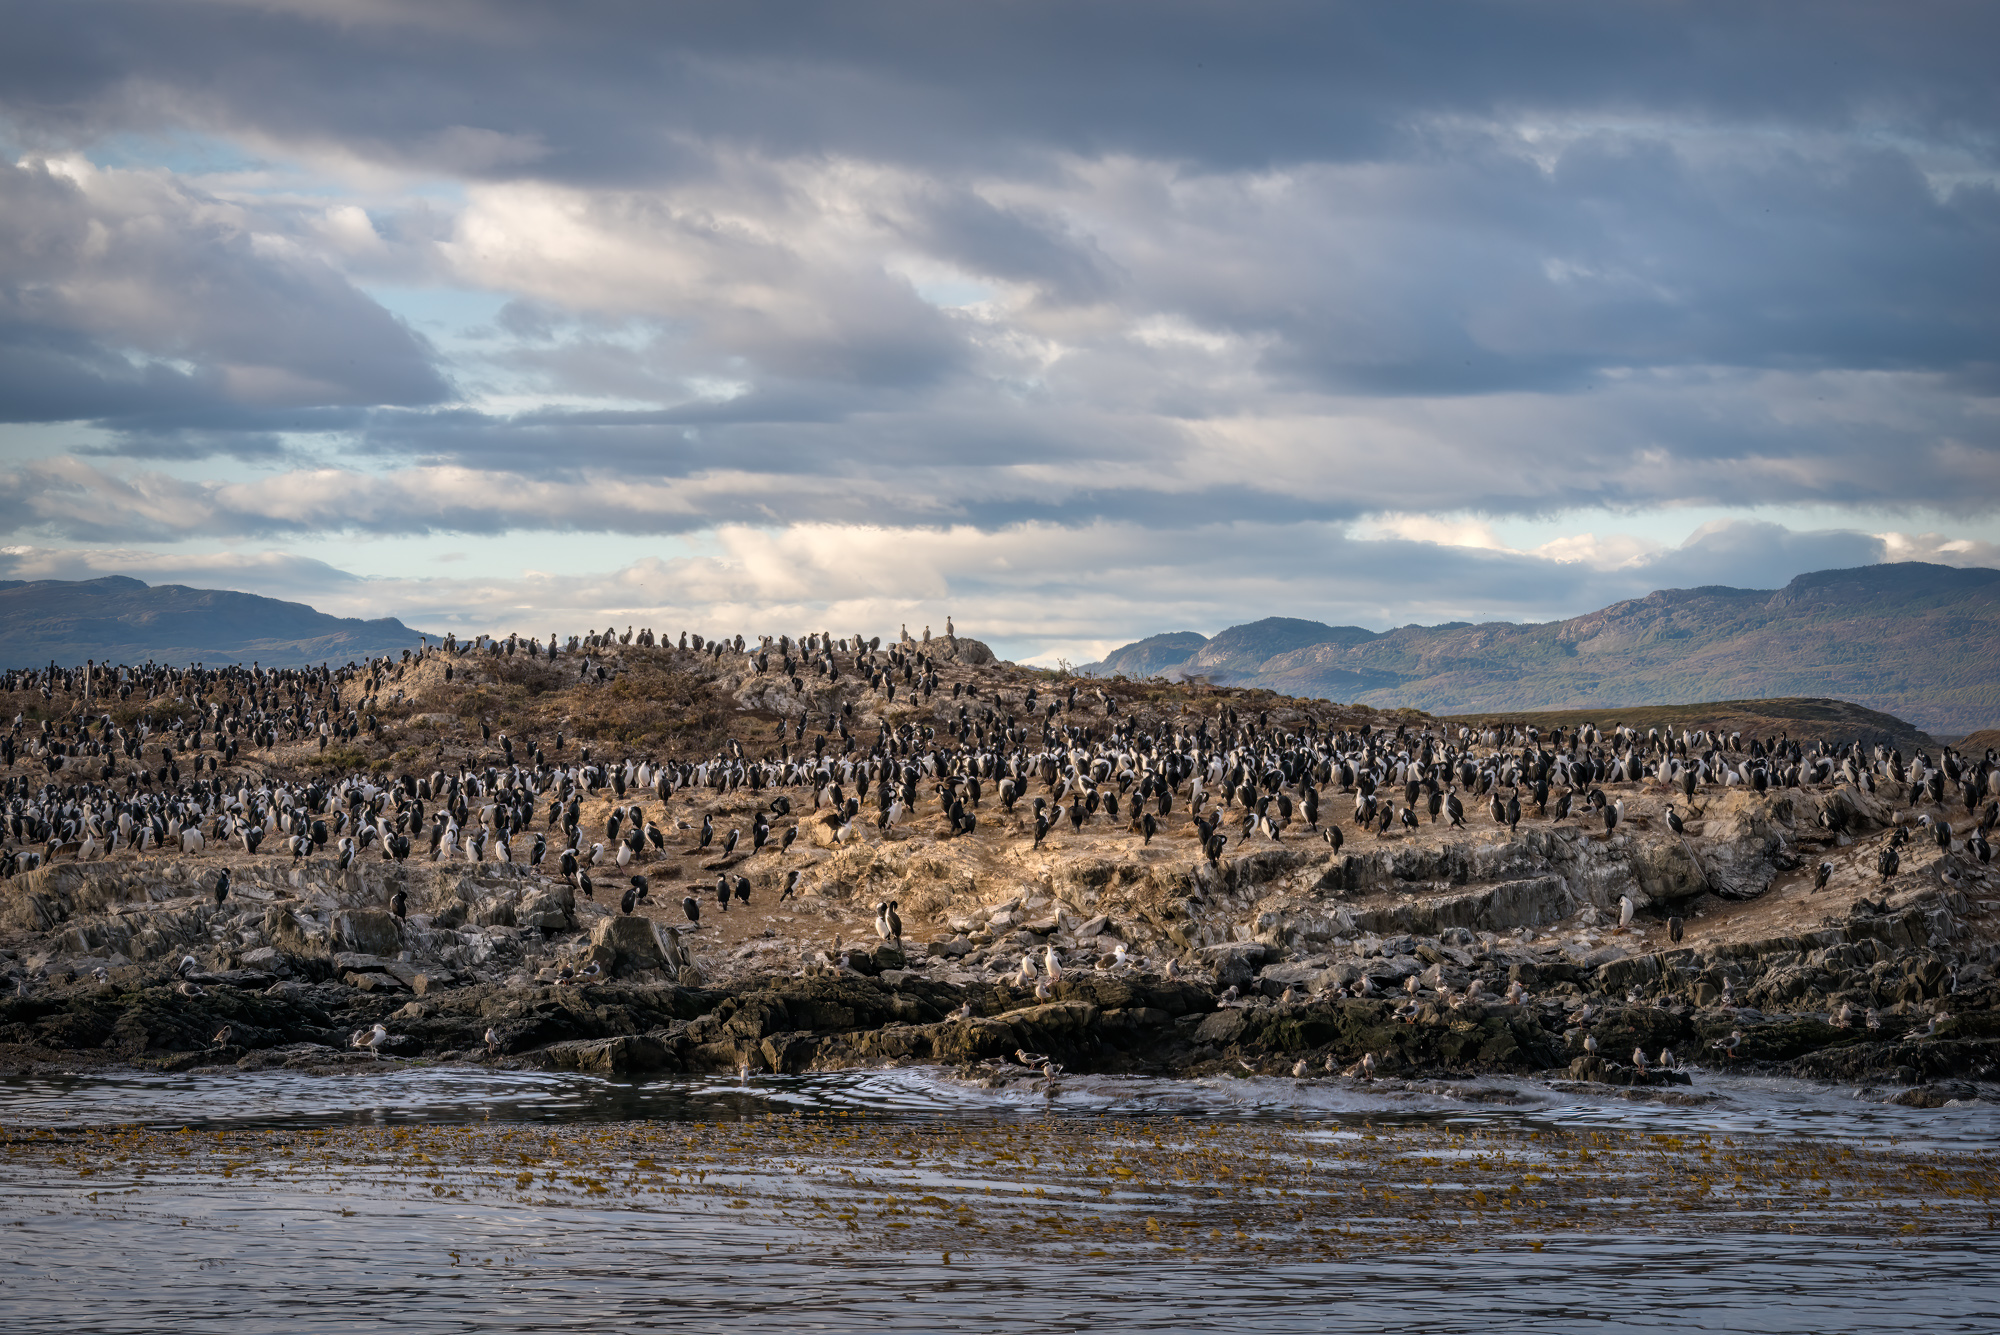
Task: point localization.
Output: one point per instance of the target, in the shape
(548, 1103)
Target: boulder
(820, 828)
(368, 931)
(635, 944)
(1235, 962)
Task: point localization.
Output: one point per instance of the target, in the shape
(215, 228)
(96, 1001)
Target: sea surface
(909, 1200)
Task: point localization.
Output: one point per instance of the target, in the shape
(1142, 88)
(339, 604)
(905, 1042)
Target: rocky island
(626, 854)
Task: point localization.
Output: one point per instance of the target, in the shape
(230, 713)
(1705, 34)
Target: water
(348, 1201)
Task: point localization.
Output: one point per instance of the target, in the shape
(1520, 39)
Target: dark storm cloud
(596, 85)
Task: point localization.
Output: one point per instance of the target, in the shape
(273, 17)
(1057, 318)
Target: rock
(889, 955)
(544, 911)
(370, 931)
(820, 828)
(1936, 1096)
(608, 1056)
(1235, 962)
(637, 944)
(267, 959)
(1222, 1028)
(966, 650)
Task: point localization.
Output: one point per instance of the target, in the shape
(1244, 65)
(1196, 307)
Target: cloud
(127, 298)
(1206, 305)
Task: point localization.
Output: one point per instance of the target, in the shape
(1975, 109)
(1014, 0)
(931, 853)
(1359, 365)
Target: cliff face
(1915, 640)
(120, 620)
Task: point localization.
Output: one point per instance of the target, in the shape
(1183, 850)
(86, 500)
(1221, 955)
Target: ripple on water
(1720, 1104)
(191, 1253)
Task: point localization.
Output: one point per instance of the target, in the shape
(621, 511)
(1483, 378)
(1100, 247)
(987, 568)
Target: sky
(1076, 322)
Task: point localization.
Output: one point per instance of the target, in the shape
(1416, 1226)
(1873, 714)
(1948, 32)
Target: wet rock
(1935, 1096)
(625, 1054)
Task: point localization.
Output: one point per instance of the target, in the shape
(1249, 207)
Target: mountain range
(122, 620)
(1915, 640)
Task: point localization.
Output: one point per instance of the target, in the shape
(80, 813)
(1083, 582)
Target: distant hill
(1834, 720)
(1919, 641)
(120, 620)
(1149, 657)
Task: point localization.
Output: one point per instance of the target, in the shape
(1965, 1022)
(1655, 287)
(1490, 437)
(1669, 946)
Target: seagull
(492, 1040)
(1516, 993)
(1844, 1017)
(1730, 1044)
(1299, 1069)
(1367, 1066)
(222, 1036)
(1172, 971)
(1639, 1060)
(1874, 1018)
(372, 1040)
(1051, 965)
(1590, 1044)
(1624, 913)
